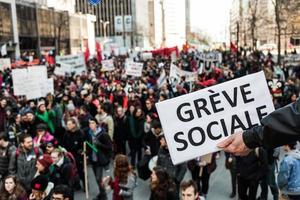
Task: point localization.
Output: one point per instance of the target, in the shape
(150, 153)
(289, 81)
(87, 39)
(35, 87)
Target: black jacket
(73, 142)
(120, 129)
(253, 166)
(278, 128)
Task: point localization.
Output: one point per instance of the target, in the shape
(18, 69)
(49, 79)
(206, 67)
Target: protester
(289, 172)
(46, 116)
(278, 128)
(26, 157)
(189, 191)
(101, 152)
(176, 172)
(7, 157)
(230, 164)
(162, 186)
(250, 170)
(12, 189)
(38, 186)
(120, 131)
(62, 192)
(124, 179)
(42, 136)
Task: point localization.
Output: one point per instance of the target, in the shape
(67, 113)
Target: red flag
(233, 48)
(99, 52)
(87, 52)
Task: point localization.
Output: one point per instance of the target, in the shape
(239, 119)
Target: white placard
(162, 80)
(47, 87)
(74, 63)
(5, 63)
(108, 65)
(193, 124)
(19, 77)
(134, 68)
(176, 73)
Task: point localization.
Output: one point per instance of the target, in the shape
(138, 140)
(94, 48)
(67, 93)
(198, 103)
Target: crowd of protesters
(42, 141)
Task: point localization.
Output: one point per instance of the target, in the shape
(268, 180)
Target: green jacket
(48, 117)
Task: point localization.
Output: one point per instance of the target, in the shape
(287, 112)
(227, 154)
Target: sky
(211, 17)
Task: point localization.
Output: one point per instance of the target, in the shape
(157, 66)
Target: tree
(253, 20)
(285, 12)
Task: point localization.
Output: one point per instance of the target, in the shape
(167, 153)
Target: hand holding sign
(235, 144)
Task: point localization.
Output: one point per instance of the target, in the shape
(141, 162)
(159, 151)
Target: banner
(210, 57)
(194, 123)
(76, 63)
(128, 23)
(134, 69)
(175, 72)
(292, 60)
(118, 23)
(108, 65)
(5, 63)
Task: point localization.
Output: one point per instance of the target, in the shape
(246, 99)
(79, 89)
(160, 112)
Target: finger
(225, 142)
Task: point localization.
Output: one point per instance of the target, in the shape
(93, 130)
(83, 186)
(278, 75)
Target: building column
(15, 28)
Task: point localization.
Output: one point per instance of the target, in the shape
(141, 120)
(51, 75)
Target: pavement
(219, 185)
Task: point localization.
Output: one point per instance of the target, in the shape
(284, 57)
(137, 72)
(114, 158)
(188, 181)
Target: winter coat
(103, 144)
(73, 142)
(136, 132)
(107, 122)
(120, 129)
(289, 173)
(151, 140)
(253, 166)
(47, 117)
(176, 172)
(7, 160)
(278, 128)
(60, 173)
(2, 119)
(47, 137)
(26, 161)
(123, 191)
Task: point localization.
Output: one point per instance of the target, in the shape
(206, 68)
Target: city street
(220, 186)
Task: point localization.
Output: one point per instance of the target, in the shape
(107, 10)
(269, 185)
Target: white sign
(193, 124)
(134, 68)
(4, 63)
(162, 80)
(176, 73)
(76, 64)
(211, 57)
(47, 87)
(118, 23)
(3, 50)
(108, 65)
(146, 56)
(32, 82)
(128, 23)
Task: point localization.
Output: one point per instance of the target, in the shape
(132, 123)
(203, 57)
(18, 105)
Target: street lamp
(104, 23)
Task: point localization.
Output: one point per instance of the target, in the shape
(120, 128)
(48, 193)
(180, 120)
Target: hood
(295, 154)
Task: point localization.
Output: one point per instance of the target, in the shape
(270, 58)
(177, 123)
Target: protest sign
(292, 60)
(134, 68)
(108, 65)
(175, 72)
(75, 63)
(32, 82)
(162, 80)
(4, 63)
(193, 124)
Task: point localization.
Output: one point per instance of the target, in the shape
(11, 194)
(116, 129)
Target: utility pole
(123, 24)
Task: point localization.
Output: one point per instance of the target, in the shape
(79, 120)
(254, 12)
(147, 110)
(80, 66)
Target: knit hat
(39, 183)
(45, 160)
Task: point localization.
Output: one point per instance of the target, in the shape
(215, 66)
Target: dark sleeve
(104, 142)
(278, 128)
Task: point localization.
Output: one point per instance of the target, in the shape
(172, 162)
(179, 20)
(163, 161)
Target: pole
(124, 37)
(85, 171)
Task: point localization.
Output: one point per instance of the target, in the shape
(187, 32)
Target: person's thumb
(225, 142)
